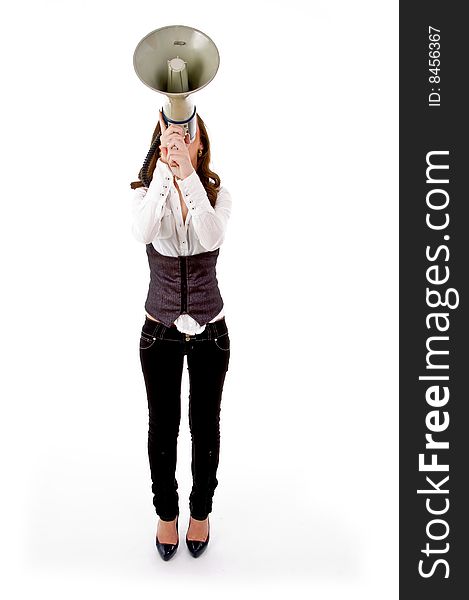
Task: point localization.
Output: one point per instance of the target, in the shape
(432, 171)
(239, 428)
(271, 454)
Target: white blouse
(157, 219)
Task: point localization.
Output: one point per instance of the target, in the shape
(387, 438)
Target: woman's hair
(210, 180)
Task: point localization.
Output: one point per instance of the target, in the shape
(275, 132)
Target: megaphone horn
(176, 61)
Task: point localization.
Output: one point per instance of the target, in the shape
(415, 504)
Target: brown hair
(210, 180)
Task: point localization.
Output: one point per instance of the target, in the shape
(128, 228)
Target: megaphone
(176, 61)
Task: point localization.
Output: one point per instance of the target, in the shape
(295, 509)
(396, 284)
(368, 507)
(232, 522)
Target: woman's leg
(162, 364)
(207, 362)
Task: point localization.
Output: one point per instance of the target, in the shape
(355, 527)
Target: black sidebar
(433, 303)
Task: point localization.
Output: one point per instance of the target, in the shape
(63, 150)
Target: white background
(303, 121)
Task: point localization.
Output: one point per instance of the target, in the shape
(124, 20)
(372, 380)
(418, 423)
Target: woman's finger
(177, 155)
(170, 138)
(172, 152)
(174, 145)
(177, 141)
(174, 136)
(175, 129)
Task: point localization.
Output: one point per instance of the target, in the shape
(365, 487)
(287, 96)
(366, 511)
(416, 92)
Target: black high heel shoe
(196, 547)
(166, 551)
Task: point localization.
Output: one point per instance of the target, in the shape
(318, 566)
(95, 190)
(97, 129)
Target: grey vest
(183, 284)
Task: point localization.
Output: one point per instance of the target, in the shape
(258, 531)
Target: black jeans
(162, 351)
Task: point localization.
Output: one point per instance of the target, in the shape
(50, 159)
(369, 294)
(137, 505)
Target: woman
(182, 218)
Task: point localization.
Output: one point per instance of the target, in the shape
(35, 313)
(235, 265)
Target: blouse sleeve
(210, 223)
(148, 204)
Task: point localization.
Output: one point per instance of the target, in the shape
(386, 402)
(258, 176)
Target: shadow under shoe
(166, 551)
(196, 547)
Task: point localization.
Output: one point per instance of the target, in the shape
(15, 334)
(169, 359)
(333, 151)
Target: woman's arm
(209, 223)
(148, 204)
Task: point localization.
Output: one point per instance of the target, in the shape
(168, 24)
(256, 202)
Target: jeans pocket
(222, 342)
(146, 340)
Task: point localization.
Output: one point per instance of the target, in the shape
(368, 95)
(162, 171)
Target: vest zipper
(183, 262)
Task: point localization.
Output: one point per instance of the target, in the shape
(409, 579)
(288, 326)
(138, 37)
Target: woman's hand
(174, 147)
